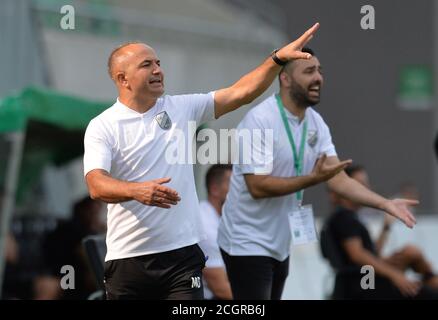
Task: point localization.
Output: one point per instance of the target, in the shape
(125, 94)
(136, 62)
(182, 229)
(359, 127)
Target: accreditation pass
(302, 225)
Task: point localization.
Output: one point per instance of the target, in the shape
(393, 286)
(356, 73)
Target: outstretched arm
(253, 84)
(265, 186)
(356, 192)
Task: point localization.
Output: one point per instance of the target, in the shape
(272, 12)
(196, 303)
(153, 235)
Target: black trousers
(175, 274)
(256, 277)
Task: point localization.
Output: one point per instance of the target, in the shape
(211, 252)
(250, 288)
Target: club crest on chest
(163, 120)
(312, 138)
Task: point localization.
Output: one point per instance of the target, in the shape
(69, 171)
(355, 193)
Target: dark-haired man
(356, 248)
(263, 210)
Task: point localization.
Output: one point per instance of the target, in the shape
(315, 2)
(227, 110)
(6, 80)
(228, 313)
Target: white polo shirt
(210, 221)
(261, 227)
(132, 147)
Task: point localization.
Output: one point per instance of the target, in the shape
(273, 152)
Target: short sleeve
(200, 106)
(97, 148)
(256, 145)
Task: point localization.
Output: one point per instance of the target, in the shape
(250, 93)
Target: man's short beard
(300, 96)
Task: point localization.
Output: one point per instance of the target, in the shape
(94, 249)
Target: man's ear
(285, 80)
(121, 79)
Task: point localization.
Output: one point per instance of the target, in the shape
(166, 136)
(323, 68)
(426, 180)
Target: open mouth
(314, 89)
(155, 81)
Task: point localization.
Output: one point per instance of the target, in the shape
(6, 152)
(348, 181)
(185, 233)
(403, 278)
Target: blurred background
(378, 100)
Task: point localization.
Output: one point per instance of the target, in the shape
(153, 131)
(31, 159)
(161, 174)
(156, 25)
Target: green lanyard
(298, 159)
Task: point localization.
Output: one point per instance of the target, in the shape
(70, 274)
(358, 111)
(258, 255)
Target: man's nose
(157, 69)
(318, 78)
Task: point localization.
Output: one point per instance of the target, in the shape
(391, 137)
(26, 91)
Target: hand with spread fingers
(399, 208)
(324, 171)
(293, 49)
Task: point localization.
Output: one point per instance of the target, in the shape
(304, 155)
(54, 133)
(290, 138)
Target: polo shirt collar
(127, 110)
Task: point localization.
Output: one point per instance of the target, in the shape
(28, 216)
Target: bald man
(153, 213)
